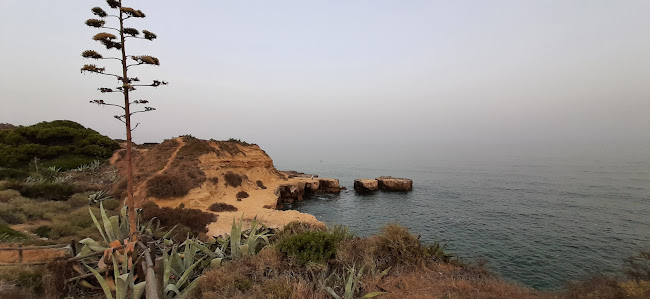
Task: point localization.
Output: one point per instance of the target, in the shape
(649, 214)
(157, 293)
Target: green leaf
(167, 266)
(102, 282)
(108, 227)
(187, 273)
(204, 249)
(216, 262)
(169, 232)
(172, 288)
(138, 290)
(121, 286)
(331, 292)
(99, 228)
(373, 294)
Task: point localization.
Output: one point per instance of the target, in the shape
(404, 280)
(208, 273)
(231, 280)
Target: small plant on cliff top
(312, 246)
(127, 84)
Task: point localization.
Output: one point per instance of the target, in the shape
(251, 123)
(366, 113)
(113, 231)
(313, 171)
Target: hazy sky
(330, 76)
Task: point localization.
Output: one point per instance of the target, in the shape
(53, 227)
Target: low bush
(13, 173)
(397, 245)
(222, 207)
(312, 246)
(166, 186)
(242, 194)
(195, 220)
(76, 224)
(233, 179)
(260, 184)
(47, 191)
(26, 278)
(78, 200)
(43, 231)
(214, 180)
(6, 195)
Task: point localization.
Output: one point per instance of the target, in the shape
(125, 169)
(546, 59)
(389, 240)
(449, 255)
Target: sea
(540, 221)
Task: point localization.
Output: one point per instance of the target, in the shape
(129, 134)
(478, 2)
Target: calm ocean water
(539, 222)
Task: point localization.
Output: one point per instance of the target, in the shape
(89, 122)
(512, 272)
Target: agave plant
(98, 196)
(182, 268)
(244, 243)
(352, 284)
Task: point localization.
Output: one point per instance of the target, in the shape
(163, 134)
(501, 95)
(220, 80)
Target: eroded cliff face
(198, 173)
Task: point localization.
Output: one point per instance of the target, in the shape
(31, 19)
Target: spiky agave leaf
(95, 23)
(131, 31)
(91, 54)
(113, 3)
(132, 12)
(98, 11)
(146, 59)
(149, 35)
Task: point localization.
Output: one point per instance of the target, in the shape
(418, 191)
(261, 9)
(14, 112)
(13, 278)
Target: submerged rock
(389, 183)
(366, 185)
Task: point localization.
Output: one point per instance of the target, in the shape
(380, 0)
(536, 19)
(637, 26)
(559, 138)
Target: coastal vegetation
(47, 147)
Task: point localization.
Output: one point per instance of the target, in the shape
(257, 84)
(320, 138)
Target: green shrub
(64, 144)
(11, 214)
(111, 204)
(43, 231)
(35, 210)
(312, 246)
(12, 173)
(46, 190)
(78, 200)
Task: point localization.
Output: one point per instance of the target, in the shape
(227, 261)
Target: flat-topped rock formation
(389, 183)
(366, 185)
(295, 174)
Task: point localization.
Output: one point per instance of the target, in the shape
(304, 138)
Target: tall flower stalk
(115, 38)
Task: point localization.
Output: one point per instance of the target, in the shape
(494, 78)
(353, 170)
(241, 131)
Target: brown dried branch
(91, 54)
(146, 59)
(131, 31)
(95, 23)
(149, 35)
(113, 3)
(132, 12)
(92, 68)
(98, 11)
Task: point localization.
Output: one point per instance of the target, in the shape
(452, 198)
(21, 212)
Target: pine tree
(114, 38)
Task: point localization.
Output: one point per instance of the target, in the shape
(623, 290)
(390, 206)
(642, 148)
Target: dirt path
(139, 190)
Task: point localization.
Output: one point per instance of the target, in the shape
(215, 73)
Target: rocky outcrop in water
(389, 183)
(366, 185)
(329, 185)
